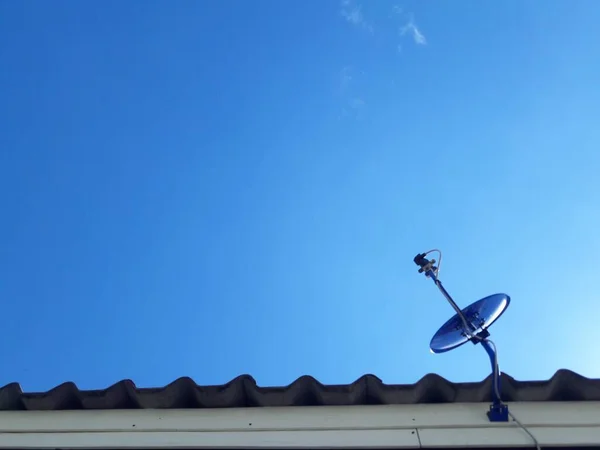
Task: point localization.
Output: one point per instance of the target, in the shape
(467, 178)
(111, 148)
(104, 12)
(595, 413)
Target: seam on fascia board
(418, 437)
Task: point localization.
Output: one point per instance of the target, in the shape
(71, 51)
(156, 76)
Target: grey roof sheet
(243, 391)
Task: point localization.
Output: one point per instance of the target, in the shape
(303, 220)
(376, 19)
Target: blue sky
(208, 189)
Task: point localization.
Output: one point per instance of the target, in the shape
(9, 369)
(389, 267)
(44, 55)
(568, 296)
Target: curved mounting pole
(498, 411)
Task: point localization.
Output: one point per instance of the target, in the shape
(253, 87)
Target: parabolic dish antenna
(469, 324)
(479, 316)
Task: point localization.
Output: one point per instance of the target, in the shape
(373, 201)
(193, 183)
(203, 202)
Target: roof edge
(243, 391)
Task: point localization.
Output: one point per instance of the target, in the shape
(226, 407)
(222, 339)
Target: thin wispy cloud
(411, 29)
(352, 13)
(408, 27)
(352, 86)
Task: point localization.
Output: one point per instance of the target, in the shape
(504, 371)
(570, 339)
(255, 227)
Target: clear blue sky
(212, 188)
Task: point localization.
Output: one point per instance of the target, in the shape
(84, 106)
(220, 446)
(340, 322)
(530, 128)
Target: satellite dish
(469, 324)
(479, 316)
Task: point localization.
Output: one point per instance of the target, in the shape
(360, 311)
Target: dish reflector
(479, 315)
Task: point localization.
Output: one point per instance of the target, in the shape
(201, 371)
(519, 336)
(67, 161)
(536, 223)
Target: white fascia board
(389, 426)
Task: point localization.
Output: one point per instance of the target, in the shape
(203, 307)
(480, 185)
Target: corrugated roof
(243, 391)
